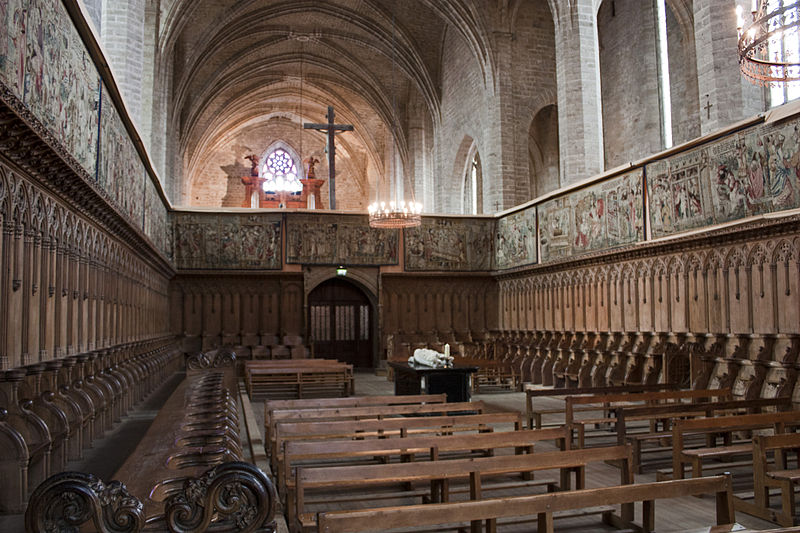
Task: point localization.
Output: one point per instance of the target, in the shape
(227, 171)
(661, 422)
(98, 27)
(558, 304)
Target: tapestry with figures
(121, 173)
(515, 244)
(227, 241)
(748, 173)
(156, 218)
(338, 239)
(594, 218)
(44, 63)
(450, 244)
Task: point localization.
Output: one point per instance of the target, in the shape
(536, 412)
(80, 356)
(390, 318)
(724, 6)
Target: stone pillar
(422, 178)
(580, 123)
(122, 38)
(725, 96)
(499, 164)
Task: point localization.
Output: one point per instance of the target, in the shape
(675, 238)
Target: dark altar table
(419, 379)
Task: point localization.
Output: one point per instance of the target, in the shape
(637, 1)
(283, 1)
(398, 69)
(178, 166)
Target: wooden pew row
(366, 412)
(609, 401)
(491, 373)
(439, 474)
(541, 505)
(534, 416)
(51, 411)
(197, 428)
(769, 475)
(298, 378)
(338, 453)
(350, 401)
(714, 427)
(386, 428)
(658, 421)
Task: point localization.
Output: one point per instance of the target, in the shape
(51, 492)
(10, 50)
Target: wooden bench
(723, 425)
(388, 427)
(610, 402)
(768, 476)
(298, 378)
(534, 416)
(350, 401)
(491, 373)
(541, 505)
(367, 412)
(440, 473)
(432, 447)
(197, 428)
(659, 419)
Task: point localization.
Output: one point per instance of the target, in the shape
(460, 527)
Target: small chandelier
(395, 215)
(762, 55)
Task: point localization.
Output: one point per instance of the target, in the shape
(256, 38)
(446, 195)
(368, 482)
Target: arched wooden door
(340, 323)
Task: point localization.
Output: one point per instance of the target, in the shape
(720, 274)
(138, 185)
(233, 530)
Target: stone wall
(629, 77)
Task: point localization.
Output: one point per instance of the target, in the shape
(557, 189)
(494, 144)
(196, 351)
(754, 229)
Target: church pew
(725, 426)
(534, 416)
(30, 436)
(389, 427)
(351, 401)
(299, 378)
(491, 373)
(767, 475)
(367, 412)
(52, 416)
(339, 452)
(440, 473)
(197, 428)
(664, 415)
(77, 501)
(605, 402)
(542, 505)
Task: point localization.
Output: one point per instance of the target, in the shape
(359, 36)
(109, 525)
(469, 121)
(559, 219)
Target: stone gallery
(590, 206)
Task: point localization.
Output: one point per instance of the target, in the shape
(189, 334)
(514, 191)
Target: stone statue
(311, 162)
(253, 164)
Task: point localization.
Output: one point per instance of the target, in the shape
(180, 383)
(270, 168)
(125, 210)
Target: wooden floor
(684, 514)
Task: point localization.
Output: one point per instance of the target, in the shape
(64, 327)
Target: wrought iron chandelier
(768, 46)
(393, 214)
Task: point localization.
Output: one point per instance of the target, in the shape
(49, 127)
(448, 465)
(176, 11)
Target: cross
(330, 129)
(708, 106)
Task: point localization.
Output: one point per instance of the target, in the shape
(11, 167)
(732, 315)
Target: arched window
(786, 48)
(473, 187)
(280, 172)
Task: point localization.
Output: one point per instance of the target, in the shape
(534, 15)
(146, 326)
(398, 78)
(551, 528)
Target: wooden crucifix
(331, 129)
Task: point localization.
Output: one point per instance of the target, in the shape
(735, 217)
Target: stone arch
(543, 152)
(465, 155)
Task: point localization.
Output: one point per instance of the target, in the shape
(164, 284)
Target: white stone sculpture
(432, 358)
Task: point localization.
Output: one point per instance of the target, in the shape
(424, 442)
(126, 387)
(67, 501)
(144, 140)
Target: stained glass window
(280, 172)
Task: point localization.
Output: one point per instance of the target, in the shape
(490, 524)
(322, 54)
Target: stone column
(580, 122)
(122, 37)
(725, 96)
